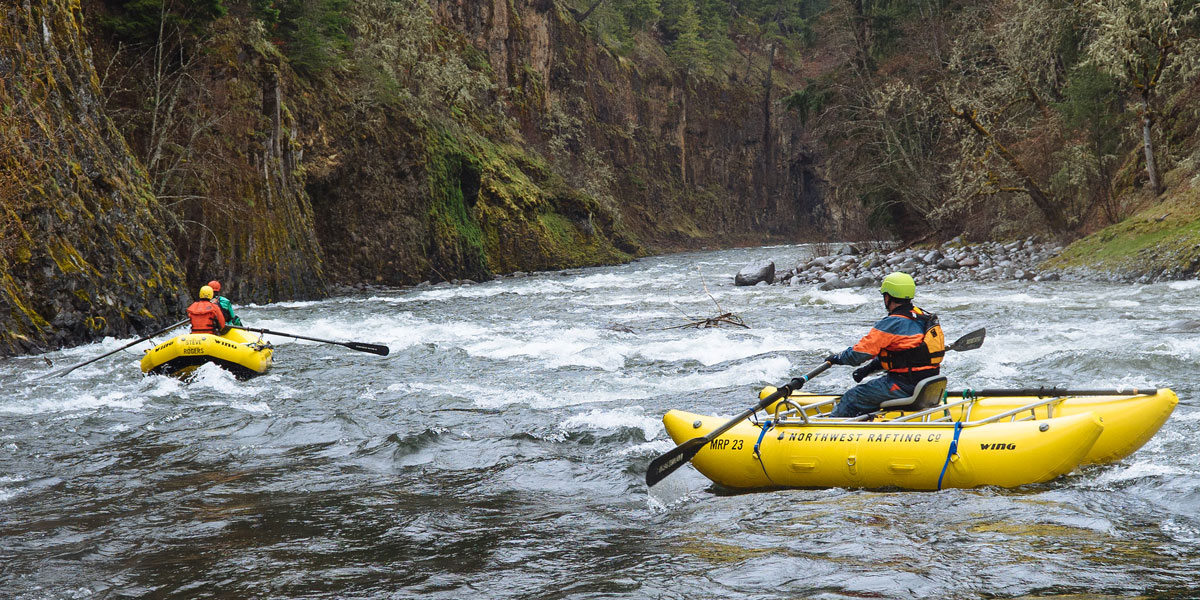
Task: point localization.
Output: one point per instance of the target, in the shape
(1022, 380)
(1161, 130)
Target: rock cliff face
(608, 158)
(690, 159)
(82, 249)
(235, 167)
(216, 133)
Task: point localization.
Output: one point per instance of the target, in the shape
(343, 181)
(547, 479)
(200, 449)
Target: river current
(500, 450)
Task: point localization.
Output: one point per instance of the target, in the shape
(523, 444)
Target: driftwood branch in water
(727, 319)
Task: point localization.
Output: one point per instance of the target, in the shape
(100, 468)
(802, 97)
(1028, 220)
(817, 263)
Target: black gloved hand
(861, 372)
(795, 384)
(833, 359)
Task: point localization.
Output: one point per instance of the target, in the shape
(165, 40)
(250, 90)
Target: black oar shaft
(360, 346)
(667, 463)
(1051, 392)
(62, 372)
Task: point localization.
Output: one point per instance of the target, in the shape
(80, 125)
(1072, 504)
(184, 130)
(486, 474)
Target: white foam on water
(601, 420)
(640, 315)
(1124, 303)
(1138, 471)
(210, 376)
(288, 304)
(575, 346)
(1023, 298)
(86, 402)
(653, 447)
(842, 297)
(753, 372)
(604, 280)
(750, 375)
(161, 386)
(8, 493)
(715, 346)
(1185, 347)
(495, 397)
(618, 300)
(251, 407)
(397, 331)
(1181, 286)
(537, 286)
(1186, 416)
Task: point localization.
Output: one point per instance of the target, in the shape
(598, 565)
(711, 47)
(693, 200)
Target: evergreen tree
(687, 51)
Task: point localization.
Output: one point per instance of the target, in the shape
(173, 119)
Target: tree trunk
(1148, 147)
(588, 12)
(1043, 201)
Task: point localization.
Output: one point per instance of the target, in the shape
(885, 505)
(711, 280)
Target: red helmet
(215, 285)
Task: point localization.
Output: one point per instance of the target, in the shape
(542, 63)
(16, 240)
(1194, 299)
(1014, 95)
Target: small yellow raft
(911, 455)
(236, 350)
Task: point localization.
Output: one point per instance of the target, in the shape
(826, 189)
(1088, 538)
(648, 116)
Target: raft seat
(927, 394)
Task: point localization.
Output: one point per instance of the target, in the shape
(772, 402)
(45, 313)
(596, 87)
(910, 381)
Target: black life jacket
(925, 356)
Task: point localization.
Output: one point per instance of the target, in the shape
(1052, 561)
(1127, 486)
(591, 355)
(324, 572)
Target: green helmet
(899, 285)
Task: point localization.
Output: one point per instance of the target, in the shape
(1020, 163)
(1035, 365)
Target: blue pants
(866, 397)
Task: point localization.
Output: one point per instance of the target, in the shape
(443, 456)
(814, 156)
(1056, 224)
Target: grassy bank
(1159, 242)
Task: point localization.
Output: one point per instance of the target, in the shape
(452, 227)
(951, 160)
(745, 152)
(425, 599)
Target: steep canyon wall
(236, 166)
(83, 252)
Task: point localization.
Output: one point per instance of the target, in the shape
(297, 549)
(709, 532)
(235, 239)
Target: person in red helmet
(225, 304)
(205, 314)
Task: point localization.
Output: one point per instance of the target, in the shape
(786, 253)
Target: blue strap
(953, 450)
(761, 435)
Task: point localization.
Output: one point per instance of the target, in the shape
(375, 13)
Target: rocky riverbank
(853, 266)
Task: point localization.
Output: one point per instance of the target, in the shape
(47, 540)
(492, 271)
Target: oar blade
(970, 341)
(364, 347)
(667, 463)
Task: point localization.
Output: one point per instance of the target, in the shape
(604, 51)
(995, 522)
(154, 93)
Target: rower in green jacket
(226, 305)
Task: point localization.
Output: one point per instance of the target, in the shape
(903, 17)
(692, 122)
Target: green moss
(67, 257)
(1164, 237)
(454, 181)
(559, 229)
(23, 313)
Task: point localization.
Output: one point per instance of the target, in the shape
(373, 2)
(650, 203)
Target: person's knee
(852, 403)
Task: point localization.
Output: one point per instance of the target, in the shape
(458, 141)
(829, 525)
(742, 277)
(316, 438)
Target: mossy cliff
(82, 248)
(448, 140)
(682, 160)
(216, 133)
(576, 157)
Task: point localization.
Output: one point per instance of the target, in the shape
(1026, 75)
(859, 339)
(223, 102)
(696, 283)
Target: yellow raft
(1130, 420)
(1005, 442)
(236, 350)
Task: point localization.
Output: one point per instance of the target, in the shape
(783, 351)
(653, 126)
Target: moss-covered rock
(82, 247)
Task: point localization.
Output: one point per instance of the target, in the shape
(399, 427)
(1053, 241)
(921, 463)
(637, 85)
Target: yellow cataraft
(1130, 418)
(1010, 440)
(236, 350)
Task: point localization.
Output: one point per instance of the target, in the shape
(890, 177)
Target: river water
(500, 451)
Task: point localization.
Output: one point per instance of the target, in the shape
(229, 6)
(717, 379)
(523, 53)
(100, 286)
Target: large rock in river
(755, 272)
